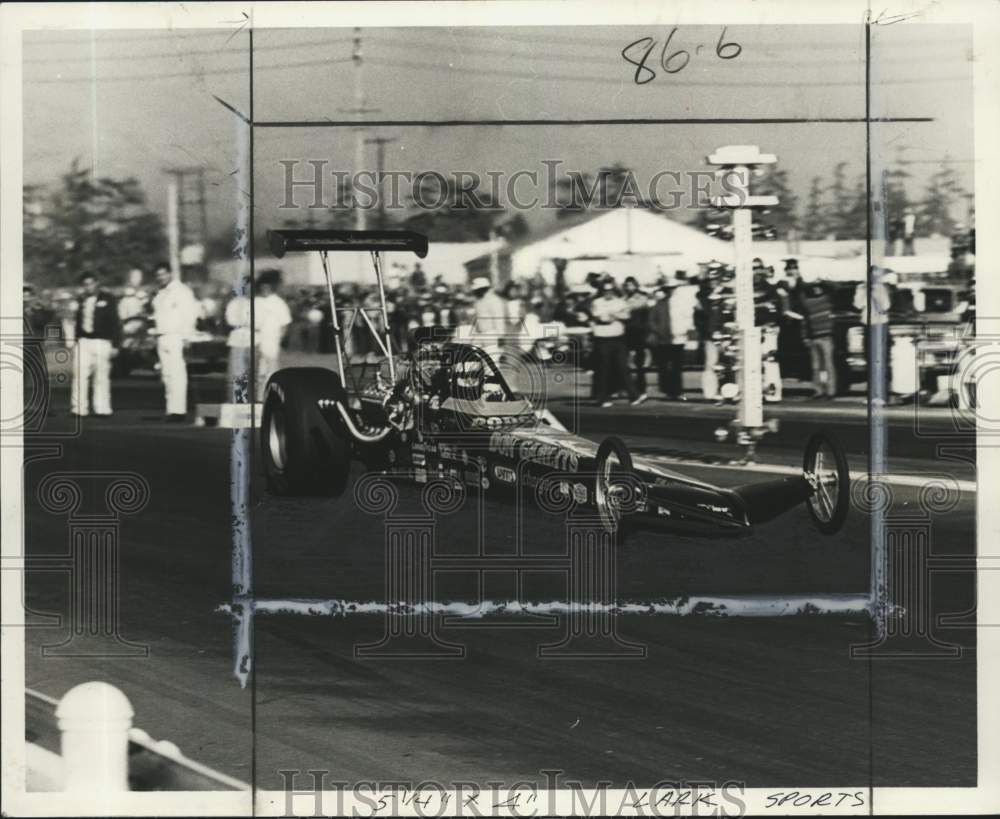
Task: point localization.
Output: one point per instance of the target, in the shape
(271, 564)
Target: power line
(162, 76)
(207, 52)
(634, 32)
(671, 83)
(614, 55)
(112, 35)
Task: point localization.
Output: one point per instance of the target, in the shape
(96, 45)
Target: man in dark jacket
(818, 331)
(791, 335)
(635, 328)
(667, 354)
(97, 331)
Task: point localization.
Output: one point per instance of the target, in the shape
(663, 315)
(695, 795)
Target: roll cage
(374, 242)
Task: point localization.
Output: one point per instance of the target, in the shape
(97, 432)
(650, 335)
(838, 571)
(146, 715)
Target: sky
(132, 103)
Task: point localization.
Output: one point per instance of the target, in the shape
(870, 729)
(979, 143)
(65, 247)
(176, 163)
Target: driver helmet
(470, 374)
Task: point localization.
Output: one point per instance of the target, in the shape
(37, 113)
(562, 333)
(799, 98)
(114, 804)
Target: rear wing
(376, 241)
(282, 241)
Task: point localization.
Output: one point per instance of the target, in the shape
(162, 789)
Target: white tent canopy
(620, 240)
(641, 243)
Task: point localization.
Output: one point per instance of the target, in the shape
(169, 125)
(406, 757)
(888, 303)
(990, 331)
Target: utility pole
(187, 217)
(203, 214)
(380, 143)
(173, 228)
(359, 111)
(360, 217)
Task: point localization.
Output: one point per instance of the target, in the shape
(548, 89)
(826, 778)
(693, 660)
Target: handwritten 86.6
(646, 54)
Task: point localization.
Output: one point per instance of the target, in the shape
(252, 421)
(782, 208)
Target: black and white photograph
(499, 409)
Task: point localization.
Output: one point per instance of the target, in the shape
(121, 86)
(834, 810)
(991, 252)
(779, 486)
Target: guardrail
(85, 742)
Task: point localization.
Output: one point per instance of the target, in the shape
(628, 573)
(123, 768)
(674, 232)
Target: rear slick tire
(303, 454)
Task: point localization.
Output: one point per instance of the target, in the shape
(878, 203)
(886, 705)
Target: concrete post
(95, 719)
(737, 163)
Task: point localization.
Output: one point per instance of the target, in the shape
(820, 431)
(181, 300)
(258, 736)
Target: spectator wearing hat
(791, 335)
(96, 331)
(574, 309)
(489, 316)
(608, 313)
(271, 318)
(635, 329)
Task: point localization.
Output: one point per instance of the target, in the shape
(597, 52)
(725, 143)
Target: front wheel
(302, 453)
(615, 482)
(825, 468)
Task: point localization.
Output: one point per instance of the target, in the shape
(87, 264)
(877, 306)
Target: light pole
(736, 165)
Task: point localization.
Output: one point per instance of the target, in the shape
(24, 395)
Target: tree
(783, 217)
(815, 223)
(573, 193)
(769, 223)
(842, 217)
(854, 219)
(896, 202)
(446, 212)
(88, 223)
(611, 186)
(942, 192)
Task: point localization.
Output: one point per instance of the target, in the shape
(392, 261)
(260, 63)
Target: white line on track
(706, 605)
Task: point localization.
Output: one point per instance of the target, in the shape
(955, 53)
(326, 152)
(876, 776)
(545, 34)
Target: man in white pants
(94, 333)
(271, 318)
(175, 312)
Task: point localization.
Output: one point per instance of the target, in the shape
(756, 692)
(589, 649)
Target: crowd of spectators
(620, 331)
